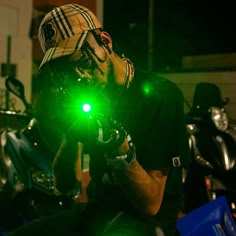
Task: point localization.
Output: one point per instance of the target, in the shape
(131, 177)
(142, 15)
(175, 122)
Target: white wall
(15, 20)
(225, 80)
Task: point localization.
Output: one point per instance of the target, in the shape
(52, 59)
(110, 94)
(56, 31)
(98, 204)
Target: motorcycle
(26, 180)
(213, 150)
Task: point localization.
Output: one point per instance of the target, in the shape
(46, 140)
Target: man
(136, 139)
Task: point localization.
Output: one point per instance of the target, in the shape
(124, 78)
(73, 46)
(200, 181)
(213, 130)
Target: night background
(181, 28)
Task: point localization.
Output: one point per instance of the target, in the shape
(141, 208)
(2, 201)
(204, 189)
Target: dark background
(181, 28)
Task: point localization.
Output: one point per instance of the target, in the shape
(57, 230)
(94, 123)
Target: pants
(167, 215)
(90, 222)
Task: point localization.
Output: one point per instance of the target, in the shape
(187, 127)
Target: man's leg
(59, 224)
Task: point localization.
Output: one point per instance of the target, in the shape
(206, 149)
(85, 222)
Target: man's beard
(112, 90)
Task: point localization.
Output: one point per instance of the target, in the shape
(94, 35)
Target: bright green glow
(86, 107)
(147, 88)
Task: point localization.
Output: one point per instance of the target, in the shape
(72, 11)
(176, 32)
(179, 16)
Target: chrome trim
(227, 162)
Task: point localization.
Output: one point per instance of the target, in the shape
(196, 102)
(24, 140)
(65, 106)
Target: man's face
(66, 76)
(93, 62)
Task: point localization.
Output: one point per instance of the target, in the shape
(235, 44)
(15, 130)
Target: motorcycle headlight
(219, 117)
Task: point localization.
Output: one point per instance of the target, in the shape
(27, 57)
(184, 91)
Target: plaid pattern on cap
(64, 29)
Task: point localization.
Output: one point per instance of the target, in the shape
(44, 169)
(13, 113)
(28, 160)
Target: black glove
(105, 133)
(98, 130)
(111, 135)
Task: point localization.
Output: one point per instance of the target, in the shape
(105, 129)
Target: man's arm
(67, 168)
(144, 189)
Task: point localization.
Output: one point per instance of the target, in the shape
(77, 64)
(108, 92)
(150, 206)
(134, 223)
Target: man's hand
(110, 134)
(116, 142)
(124, 147)
(105, 133)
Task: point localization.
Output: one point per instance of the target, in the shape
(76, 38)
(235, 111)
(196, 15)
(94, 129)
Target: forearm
(144, 189)
(64, 165)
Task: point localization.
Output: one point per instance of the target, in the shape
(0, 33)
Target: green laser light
(148, 89)
(86, 107)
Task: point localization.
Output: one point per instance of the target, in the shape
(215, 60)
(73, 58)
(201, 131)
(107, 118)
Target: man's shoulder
(162, 81)
(153, 77)
(157, 82)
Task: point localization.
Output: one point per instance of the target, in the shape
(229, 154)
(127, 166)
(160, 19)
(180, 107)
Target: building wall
(226, 80)
(15, 45)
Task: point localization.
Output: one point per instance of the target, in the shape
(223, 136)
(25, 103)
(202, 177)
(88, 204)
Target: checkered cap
(64, 29)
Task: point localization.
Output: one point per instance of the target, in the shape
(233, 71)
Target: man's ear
(106, 41)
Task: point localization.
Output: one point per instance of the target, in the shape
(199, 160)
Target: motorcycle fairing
(26, 156)
(219, 148)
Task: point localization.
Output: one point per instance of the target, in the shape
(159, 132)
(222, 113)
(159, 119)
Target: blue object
(211, 219)
(3, 231)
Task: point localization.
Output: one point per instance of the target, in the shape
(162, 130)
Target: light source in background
(219, 118)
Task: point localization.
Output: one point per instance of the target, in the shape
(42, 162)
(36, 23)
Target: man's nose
(83, 74)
